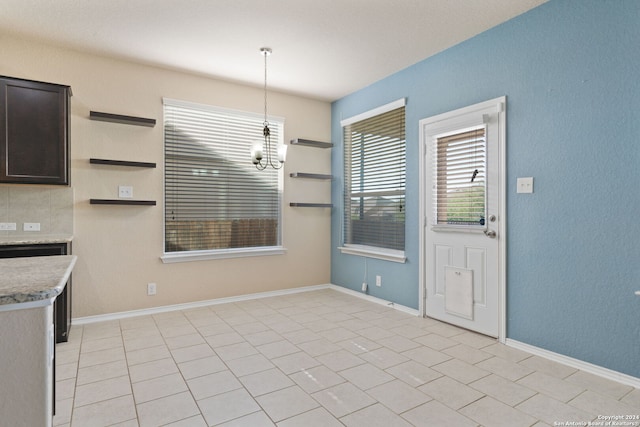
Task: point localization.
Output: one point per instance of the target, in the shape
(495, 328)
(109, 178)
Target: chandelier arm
(269, 154)
(260, 166)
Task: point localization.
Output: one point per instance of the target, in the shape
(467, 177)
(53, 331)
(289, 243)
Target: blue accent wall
(571, 72)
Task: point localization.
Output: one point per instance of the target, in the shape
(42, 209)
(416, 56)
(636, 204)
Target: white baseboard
(576, 363)
(376, 300)
(197, 304)
(191, 305)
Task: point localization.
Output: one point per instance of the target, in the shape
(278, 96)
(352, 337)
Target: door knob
(491, 234)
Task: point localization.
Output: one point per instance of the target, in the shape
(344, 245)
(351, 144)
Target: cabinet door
(33, 132)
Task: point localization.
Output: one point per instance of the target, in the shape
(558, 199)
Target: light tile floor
(319, 358)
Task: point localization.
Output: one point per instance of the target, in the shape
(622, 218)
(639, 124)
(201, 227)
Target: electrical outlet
(525, 185)
(151, 288)
(125, 192)
(8, 226)
(364, 286)
(31, 226)
(378, 280)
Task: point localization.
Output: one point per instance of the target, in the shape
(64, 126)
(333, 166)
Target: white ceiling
(323, 49)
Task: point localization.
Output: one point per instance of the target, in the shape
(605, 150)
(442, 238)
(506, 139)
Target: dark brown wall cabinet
(34, 132)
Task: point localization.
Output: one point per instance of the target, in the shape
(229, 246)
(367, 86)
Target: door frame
(501, 104)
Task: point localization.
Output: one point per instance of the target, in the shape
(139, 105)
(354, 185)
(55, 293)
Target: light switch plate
(525, 185)
(125, 192)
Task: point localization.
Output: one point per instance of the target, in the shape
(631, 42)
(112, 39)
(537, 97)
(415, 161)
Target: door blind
(460, 168)
(375, 170)
(215, 199)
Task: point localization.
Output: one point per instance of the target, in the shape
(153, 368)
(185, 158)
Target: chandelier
(261, 151)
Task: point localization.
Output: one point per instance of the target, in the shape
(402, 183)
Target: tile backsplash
(51, 207)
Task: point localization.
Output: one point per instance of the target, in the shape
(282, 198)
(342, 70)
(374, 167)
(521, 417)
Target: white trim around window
(173, 257)
(217, 204)
(375, 112)
(373, 252)
(374, 183)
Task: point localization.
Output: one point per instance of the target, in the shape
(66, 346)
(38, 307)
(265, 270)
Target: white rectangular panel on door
(458, 295)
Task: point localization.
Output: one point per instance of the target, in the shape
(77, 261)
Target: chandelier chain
(266, 122)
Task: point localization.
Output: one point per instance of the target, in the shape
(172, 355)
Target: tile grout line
(228, 369)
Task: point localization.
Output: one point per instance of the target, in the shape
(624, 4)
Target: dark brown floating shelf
(310, 143)
(122, 202)
(118, 118)
(122, 163)
(310, 175)
(310, 205)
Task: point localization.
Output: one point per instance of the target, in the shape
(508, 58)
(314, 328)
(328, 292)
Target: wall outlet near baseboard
(378, 280)
(7, 226)
(364, 286)
(151, 289)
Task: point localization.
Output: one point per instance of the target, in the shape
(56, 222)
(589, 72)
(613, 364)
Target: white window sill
(373, 252)
(187, 256)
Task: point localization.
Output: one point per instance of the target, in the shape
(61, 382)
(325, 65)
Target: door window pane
(461, 178)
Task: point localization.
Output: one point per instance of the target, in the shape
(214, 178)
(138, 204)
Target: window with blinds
(215, 198)
(375, 169)
(460, 178)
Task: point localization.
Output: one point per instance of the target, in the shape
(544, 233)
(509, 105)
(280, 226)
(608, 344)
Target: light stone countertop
(34, 239)
(32, 279)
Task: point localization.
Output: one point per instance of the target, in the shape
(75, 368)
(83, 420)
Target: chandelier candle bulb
(282, 153)
(256, 152)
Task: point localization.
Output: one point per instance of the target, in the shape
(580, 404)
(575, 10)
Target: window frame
(446, 124)
(443, 178)
(387, 254)
(226, 253)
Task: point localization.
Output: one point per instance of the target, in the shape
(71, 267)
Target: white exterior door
(462, 192)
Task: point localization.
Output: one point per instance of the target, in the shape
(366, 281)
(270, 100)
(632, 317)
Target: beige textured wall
(119, 247)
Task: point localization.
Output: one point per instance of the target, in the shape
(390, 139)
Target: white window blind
(374, 151)
(215, 199)
(460, 178)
